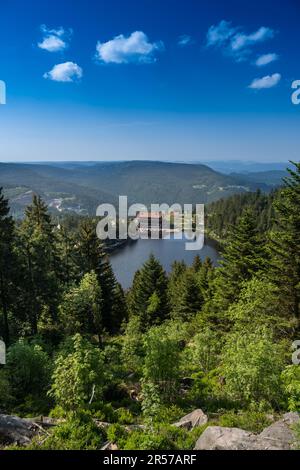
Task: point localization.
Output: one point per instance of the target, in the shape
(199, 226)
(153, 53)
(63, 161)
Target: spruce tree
(189, 298)
(41, 262)
(150, 287)
(197, 263)
(243, 256)
(92, 257)
(7, 260)
(284, 267)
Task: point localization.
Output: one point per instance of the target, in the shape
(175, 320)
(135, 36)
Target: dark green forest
(83, 351)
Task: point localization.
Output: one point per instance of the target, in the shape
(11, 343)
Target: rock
(192, 420)
(109, 446)
(277, 436)
(14, 430)
(219, 438)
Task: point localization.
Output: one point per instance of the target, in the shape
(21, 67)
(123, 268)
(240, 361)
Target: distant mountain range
(81, 186)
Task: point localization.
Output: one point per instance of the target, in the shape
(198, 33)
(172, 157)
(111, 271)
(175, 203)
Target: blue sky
(184, 80)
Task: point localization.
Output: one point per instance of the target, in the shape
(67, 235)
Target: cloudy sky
(148, 79)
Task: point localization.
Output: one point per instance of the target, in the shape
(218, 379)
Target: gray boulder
(277, 436)
(220, 438)
(192, 420)
(14, 430)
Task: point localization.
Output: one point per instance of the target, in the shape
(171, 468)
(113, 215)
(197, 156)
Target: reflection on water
(127, 260)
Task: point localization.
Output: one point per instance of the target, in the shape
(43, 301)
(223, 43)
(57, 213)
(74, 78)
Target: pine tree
(41, 262)
(7, 260)
(189, 298)
(82, 306)
(284, 267)
(150, 286)
(197, 263)
(120, 311)
(92, 257)
(243, 256)
(204, 277)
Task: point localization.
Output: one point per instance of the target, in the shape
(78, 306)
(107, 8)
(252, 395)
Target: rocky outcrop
(219, 438)
(192, 420)
(278, 436)
(14, 430)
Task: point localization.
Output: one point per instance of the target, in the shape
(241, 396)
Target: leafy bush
(124, 416)
(252, 365)
(162, 362)
(202, 353)
(291, 386)
(163, 437)
(79, 432)
(79, 376)
(5, 390)
(253, 421)
(28, 372)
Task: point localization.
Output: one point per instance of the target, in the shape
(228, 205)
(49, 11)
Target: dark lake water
(127, 260)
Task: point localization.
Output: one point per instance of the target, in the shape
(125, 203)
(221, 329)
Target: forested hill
(124, 367)
(221, 215)
(82, 187)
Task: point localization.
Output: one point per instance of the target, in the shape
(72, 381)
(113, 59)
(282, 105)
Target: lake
(128, 259)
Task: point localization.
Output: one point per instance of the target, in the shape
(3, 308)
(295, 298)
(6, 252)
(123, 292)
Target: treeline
(216, 338)
(42, 265)
(225, 212)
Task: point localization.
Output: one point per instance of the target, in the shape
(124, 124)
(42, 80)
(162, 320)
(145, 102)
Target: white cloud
(52, 44)
(54, 40)
(266, 59)
(184, 40)
(123, 50)
(66, 72)
(241, 40)
(218, 35)
(268, 81)
(233, 41)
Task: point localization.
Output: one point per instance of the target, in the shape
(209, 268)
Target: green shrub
(79, 432)
(252, 365)
(291, 386)
(117, 434)
(79, 376)
(253, 421)
(124, 416)
(163, 437)
(29, 370)
(5, 390)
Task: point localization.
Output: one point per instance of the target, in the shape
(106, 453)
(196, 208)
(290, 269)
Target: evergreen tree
(41, 262)
(148, 297)
(174, 285)
(204, 276)
(284, 267)
(7, 261)
(92, 257)
(82, 306)
(197, 263)
(243, 256)
(189, 298)
(120, 311)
